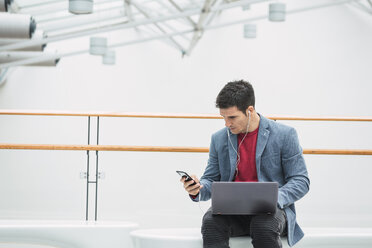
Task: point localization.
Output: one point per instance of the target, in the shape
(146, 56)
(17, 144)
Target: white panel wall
(315, 63)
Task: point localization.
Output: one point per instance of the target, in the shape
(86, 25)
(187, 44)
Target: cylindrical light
(277, 12)
(109, 58)
(8, 57)
(80, 6)
(4, 4)
(16, 26)
(250, 31)
(246, 7)
(38, 35)
(98, 45)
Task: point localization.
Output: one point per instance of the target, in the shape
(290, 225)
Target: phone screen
(187, 176)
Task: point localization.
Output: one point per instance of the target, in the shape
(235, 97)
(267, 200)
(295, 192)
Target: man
(251, 148)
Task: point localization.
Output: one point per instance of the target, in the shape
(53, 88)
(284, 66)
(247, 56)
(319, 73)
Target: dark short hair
(236, 93)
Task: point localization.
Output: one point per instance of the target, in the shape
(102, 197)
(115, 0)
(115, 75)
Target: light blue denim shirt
(278, 159)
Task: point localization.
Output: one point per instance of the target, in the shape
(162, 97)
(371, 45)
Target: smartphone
(185, 175)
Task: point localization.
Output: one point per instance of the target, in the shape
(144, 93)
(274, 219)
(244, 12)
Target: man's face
(235, 120)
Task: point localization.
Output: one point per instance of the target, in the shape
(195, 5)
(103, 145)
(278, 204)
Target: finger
(195, 191)
(188, 183)
(193, 187)
(195, 178)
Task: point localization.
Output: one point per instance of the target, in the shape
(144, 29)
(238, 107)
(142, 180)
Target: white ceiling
(179, 23)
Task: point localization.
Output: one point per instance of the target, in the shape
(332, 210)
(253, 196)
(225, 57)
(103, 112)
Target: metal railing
(167, 148)
(161, 149)
(98, 147)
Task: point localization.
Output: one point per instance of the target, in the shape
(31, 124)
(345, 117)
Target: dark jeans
(265, 230)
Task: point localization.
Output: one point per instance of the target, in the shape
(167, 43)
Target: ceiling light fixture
(80, 6)
(250, 31)
(16, 26)
(38, 35)
(98, 45)
(246, 7)
(109, 58)
(13, 56)
(277, 12)
(4, 4)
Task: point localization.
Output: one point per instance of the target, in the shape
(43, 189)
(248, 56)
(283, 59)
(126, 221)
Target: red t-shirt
(247, 171)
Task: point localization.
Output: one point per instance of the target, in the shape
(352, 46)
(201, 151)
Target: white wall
(315, 63)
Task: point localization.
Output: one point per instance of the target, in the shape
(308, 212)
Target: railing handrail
(161, 149)
(174, 115)
(165, 148)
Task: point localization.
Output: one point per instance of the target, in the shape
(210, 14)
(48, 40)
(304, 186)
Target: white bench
(65, 234)
(23, 245)
(314, 237)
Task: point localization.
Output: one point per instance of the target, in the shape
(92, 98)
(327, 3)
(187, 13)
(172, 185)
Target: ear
(249, 109)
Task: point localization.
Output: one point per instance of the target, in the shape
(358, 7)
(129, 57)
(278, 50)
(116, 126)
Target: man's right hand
(192, 189)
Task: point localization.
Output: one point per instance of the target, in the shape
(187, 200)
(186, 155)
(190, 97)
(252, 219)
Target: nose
(227, 123)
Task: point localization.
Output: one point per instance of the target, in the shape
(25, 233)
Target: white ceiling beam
(173, 29)
(92, 30)
(140, 9)
(4, 73)
(361, 7)
(199, 26)
(82, 20)
(206, 10)
(171, 10)
(54, 6)
(166, 6)
(42, 10)
(193, 24)
(213, 14)
(55, 19)
(38, 4)
(128, 10)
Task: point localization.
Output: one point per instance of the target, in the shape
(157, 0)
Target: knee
(209, 221)
(215, 231)
(265, 226)
(212, 222)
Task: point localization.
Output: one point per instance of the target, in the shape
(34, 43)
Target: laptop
(244, 198)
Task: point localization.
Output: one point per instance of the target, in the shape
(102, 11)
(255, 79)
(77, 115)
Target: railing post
(96, 176)
(97, 169)
(87, 175)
